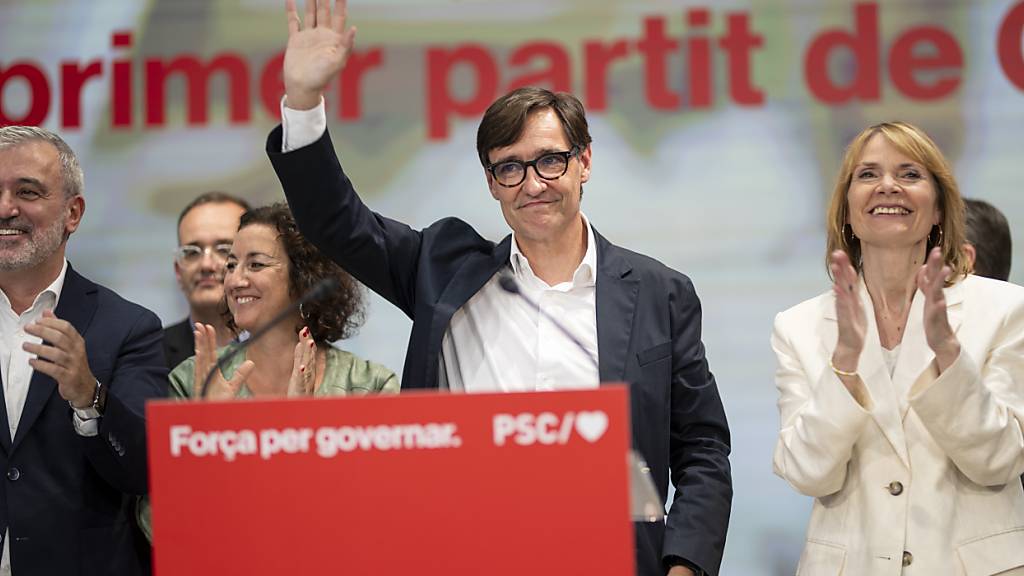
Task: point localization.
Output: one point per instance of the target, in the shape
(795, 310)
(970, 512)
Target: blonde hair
(914, 143)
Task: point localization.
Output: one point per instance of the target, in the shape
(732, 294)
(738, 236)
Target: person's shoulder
(813, 307)
(988, 289)
(179, 329)
(646, 267)
(353, 372)
(452, 228)
(354, 363)
(108, 301)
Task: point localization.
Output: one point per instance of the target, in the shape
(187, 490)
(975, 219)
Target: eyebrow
(30, 180)
(876, 165)
(538, 154)
(251, 254)
(216, 242)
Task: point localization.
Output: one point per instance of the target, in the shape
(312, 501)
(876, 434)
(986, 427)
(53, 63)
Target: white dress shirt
(497, 341)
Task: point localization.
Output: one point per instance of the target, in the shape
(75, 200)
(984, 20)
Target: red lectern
(425, 484)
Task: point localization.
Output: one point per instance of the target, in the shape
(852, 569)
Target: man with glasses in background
(626, 316)
(206, 229)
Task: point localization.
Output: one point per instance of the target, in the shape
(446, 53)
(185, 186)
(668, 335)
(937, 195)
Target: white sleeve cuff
(302, 127)
(87, 428)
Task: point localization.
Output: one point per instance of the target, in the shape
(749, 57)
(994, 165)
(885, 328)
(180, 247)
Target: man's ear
(972, 255)
(585, 164)
(178, 276)
(490, 183)
(75, 209)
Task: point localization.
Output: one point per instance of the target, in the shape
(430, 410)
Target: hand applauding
(931, 279)
(849, 313)
(205, 359)
(303, 378)
(62, 356)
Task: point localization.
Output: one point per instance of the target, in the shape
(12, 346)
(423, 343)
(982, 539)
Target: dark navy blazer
(65, 498)
(648, 332)
(179, 343)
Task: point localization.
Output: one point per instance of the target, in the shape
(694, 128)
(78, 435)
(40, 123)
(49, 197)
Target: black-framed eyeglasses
(192, 253)
(550, 166)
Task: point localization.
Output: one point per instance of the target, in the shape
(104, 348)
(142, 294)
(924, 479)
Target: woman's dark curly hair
(334, 317)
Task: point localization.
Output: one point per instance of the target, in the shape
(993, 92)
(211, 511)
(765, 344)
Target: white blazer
(928, 480)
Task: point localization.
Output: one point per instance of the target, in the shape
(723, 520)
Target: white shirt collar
(50, 295)
(585, 274)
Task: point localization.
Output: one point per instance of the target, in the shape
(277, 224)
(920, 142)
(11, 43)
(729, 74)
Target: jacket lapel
(616, 294)
(873, 372)
(915, 354)
(77, 305)
(468, 280)
(5, 434)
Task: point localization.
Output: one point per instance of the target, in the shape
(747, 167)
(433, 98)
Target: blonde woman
(901, 390)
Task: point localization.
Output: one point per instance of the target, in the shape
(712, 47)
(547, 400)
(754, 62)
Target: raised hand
(317, 50)
(931, 279)
(219, 388)
(849, 313)
(303, 379)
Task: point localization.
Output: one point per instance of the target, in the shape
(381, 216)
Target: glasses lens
(191, 254)
(221, 251)
(188, 254)
(552, 165)
(509, 173)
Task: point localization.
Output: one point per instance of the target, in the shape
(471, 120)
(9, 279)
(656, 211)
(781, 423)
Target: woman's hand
(931, 280)
(849, 313)
(303, 378)
(205, 359)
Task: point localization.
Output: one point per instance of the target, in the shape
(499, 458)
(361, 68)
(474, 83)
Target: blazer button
(908, 558)
(895, 488)
(13, 473)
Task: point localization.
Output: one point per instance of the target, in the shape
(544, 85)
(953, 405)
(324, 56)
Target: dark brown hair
(505, 119)
(335, 317)
(989, 233)
(212, 197)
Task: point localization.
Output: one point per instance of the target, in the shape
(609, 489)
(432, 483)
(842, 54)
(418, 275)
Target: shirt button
(895, 488)
(13, 473)
(908, 558)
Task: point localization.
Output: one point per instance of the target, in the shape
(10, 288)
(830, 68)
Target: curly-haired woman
(270, 266)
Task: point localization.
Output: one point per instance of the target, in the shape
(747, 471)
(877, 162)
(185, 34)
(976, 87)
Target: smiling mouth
(889, 211)
(11, 232)
(244, 299)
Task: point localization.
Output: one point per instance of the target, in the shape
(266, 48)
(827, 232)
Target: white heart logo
(591, 425)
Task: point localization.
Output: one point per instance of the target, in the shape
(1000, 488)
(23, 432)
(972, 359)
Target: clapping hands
(219, 387)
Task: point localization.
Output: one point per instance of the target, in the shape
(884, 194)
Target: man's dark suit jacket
(648, 331)
(67, 499)
(179, 343)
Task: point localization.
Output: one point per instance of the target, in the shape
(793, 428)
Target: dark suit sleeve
(699, 444)
(380, 252)
(118, 452)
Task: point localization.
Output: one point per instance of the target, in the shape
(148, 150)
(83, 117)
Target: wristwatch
(94, 410)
